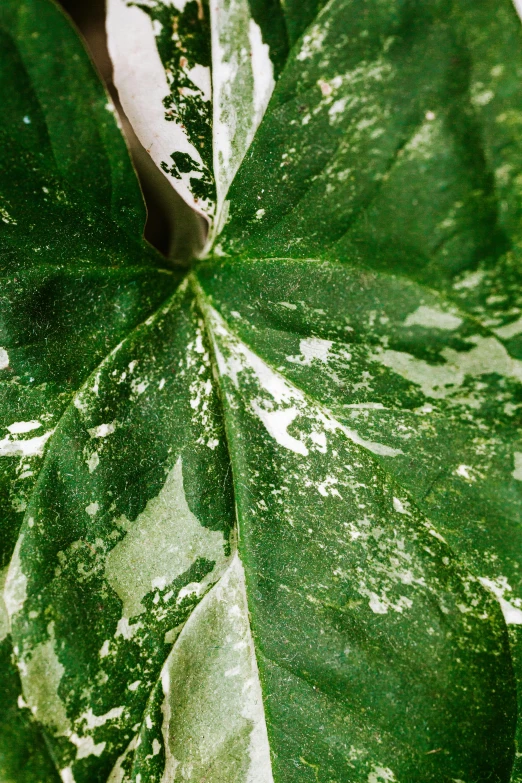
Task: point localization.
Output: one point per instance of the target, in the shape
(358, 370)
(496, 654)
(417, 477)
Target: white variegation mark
(21, 427)
(281, 403)
(440, 381)
(277, 423)
(243, 81)
(4, 616)
(432, 318)
(312, 43)
(118, 771)
(31, 447)
(381, 775)
(102, 430)
(508, 331)
(15, 590)
(93, 461)
(312, 348)
(499, 587)
(517, 472)
(86, 746)
(142, 85)
(93, 721)
(216, 643)
(41, 674)
(399, 506)
(159, 545)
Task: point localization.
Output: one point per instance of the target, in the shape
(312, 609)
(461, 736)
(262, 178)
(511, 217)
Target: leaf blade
(164, 85)
(451, 447)
(352, 603)
(197, 133)
(333, 134)
(290, 348)
(112, 557)
(215, 654)
(68, 191)
(87, 147)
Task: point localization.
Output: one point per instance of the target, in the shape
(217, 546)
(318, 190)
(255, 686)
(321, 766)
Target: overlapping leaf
(271, 530)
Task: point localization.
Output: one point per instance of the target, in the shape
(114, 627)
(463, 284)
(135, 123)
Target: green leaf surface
(76, 275)
(263, 524)
(58, 133)
(24, 757)
(146, 492)
(336, 167)
(330, 504)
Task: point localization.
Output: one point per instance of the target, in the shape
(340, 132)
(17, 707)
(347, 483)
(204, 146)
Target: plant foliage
(261, 520)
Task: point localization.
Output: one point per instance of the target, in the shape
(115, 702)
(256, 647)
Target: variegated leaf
(196, 126)
(145, 488)
(76, 277)
(271, 530)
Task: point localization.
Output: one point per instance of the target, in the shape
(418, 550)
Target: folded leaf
(196, 126)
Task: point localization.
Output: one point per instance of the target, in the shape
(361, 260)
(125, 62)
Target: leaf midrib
(204, 302)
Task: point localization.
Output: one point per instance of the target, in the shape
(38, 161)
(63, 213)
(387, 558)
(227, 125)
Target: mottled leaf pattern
(186, 732)
(147, 496)
(262, 523)
(76, 278)
(161, 56)
(197, 128)
(242, 74)
(432, 416)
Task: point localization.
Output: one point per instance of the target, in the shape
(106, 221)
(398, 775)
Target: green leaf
(337, 168)
(377, 561)
(267, 519)
(76, 275)
(182, 726)
(24, 757)
(145, 489)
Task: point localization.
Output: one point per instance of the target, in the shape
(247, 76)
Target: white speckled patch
(216, 646)
(162, 543)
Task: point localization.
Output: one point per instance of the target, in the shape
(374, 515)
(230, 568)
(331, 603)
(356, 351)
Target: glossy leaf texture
(264, 522)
